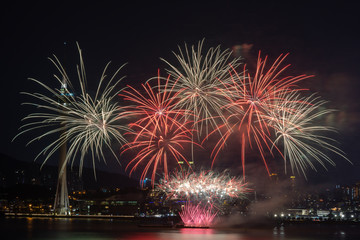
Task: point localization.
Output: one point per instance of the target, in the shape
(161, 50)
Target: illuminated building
(191, 162)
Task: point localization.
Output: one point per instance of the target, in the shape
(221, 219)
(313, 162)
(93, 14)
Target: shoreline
(69, 216)
(149, 222)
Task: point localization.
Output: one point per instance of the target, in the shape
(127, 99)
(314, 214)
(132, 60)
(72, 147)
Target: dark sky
(322, 39)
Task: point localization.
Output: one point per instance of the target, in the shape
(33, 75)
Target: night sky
(322, 39)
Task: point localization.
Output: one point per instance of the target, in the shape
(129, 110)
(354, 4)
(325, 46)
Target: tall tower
(61, 204)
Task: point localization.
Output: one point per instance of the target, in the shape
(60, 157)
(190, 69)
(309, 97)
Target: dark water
(71, 229)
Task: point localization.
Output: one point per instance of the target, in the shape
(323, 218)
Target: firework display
(205, 193)
(200, 80)
(206, 92)
(251, 100)
(156, 145)
(198, 215)
(160, 132)
(208, 186)
(89, 124)
(301, 136)
(155, 107)
(204, 102)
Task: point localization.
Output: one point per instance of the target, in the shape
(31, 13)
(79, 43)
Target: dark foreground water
(71, 229)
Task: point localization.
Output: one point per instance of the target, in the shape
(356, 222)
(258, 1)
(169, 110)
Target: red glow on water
(197, 231)
(143, 236)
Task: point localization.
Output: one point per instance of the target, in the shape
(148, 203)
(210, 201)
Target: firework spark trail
(206, 186)
(156, 144)
(250, 98)
(201, 78)
(197, 215)
(160, 131)
(88, 124)
(153, 108)
(303, 139)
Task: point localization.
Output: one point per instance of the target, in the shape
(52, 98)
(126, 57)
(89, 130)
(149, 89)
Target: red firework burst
(154, 107)
(160, 131)
(156, 144)
(251, 99)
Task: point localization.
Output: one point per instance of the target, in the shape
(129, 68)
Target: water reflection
(185, 234)
(279, 231)
(81, 229)
(29, 227)
(142, 236)
(197, 231)
(341, 235)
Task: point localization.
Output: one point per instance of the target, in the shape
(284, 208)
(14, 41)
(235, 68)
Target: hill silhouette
(14, 171)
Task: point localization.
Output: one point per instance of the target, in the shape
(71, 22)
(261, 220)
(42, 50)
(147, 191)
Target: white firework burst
(297, 126)
(205, 186)
(86, 124)
(201, 79)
